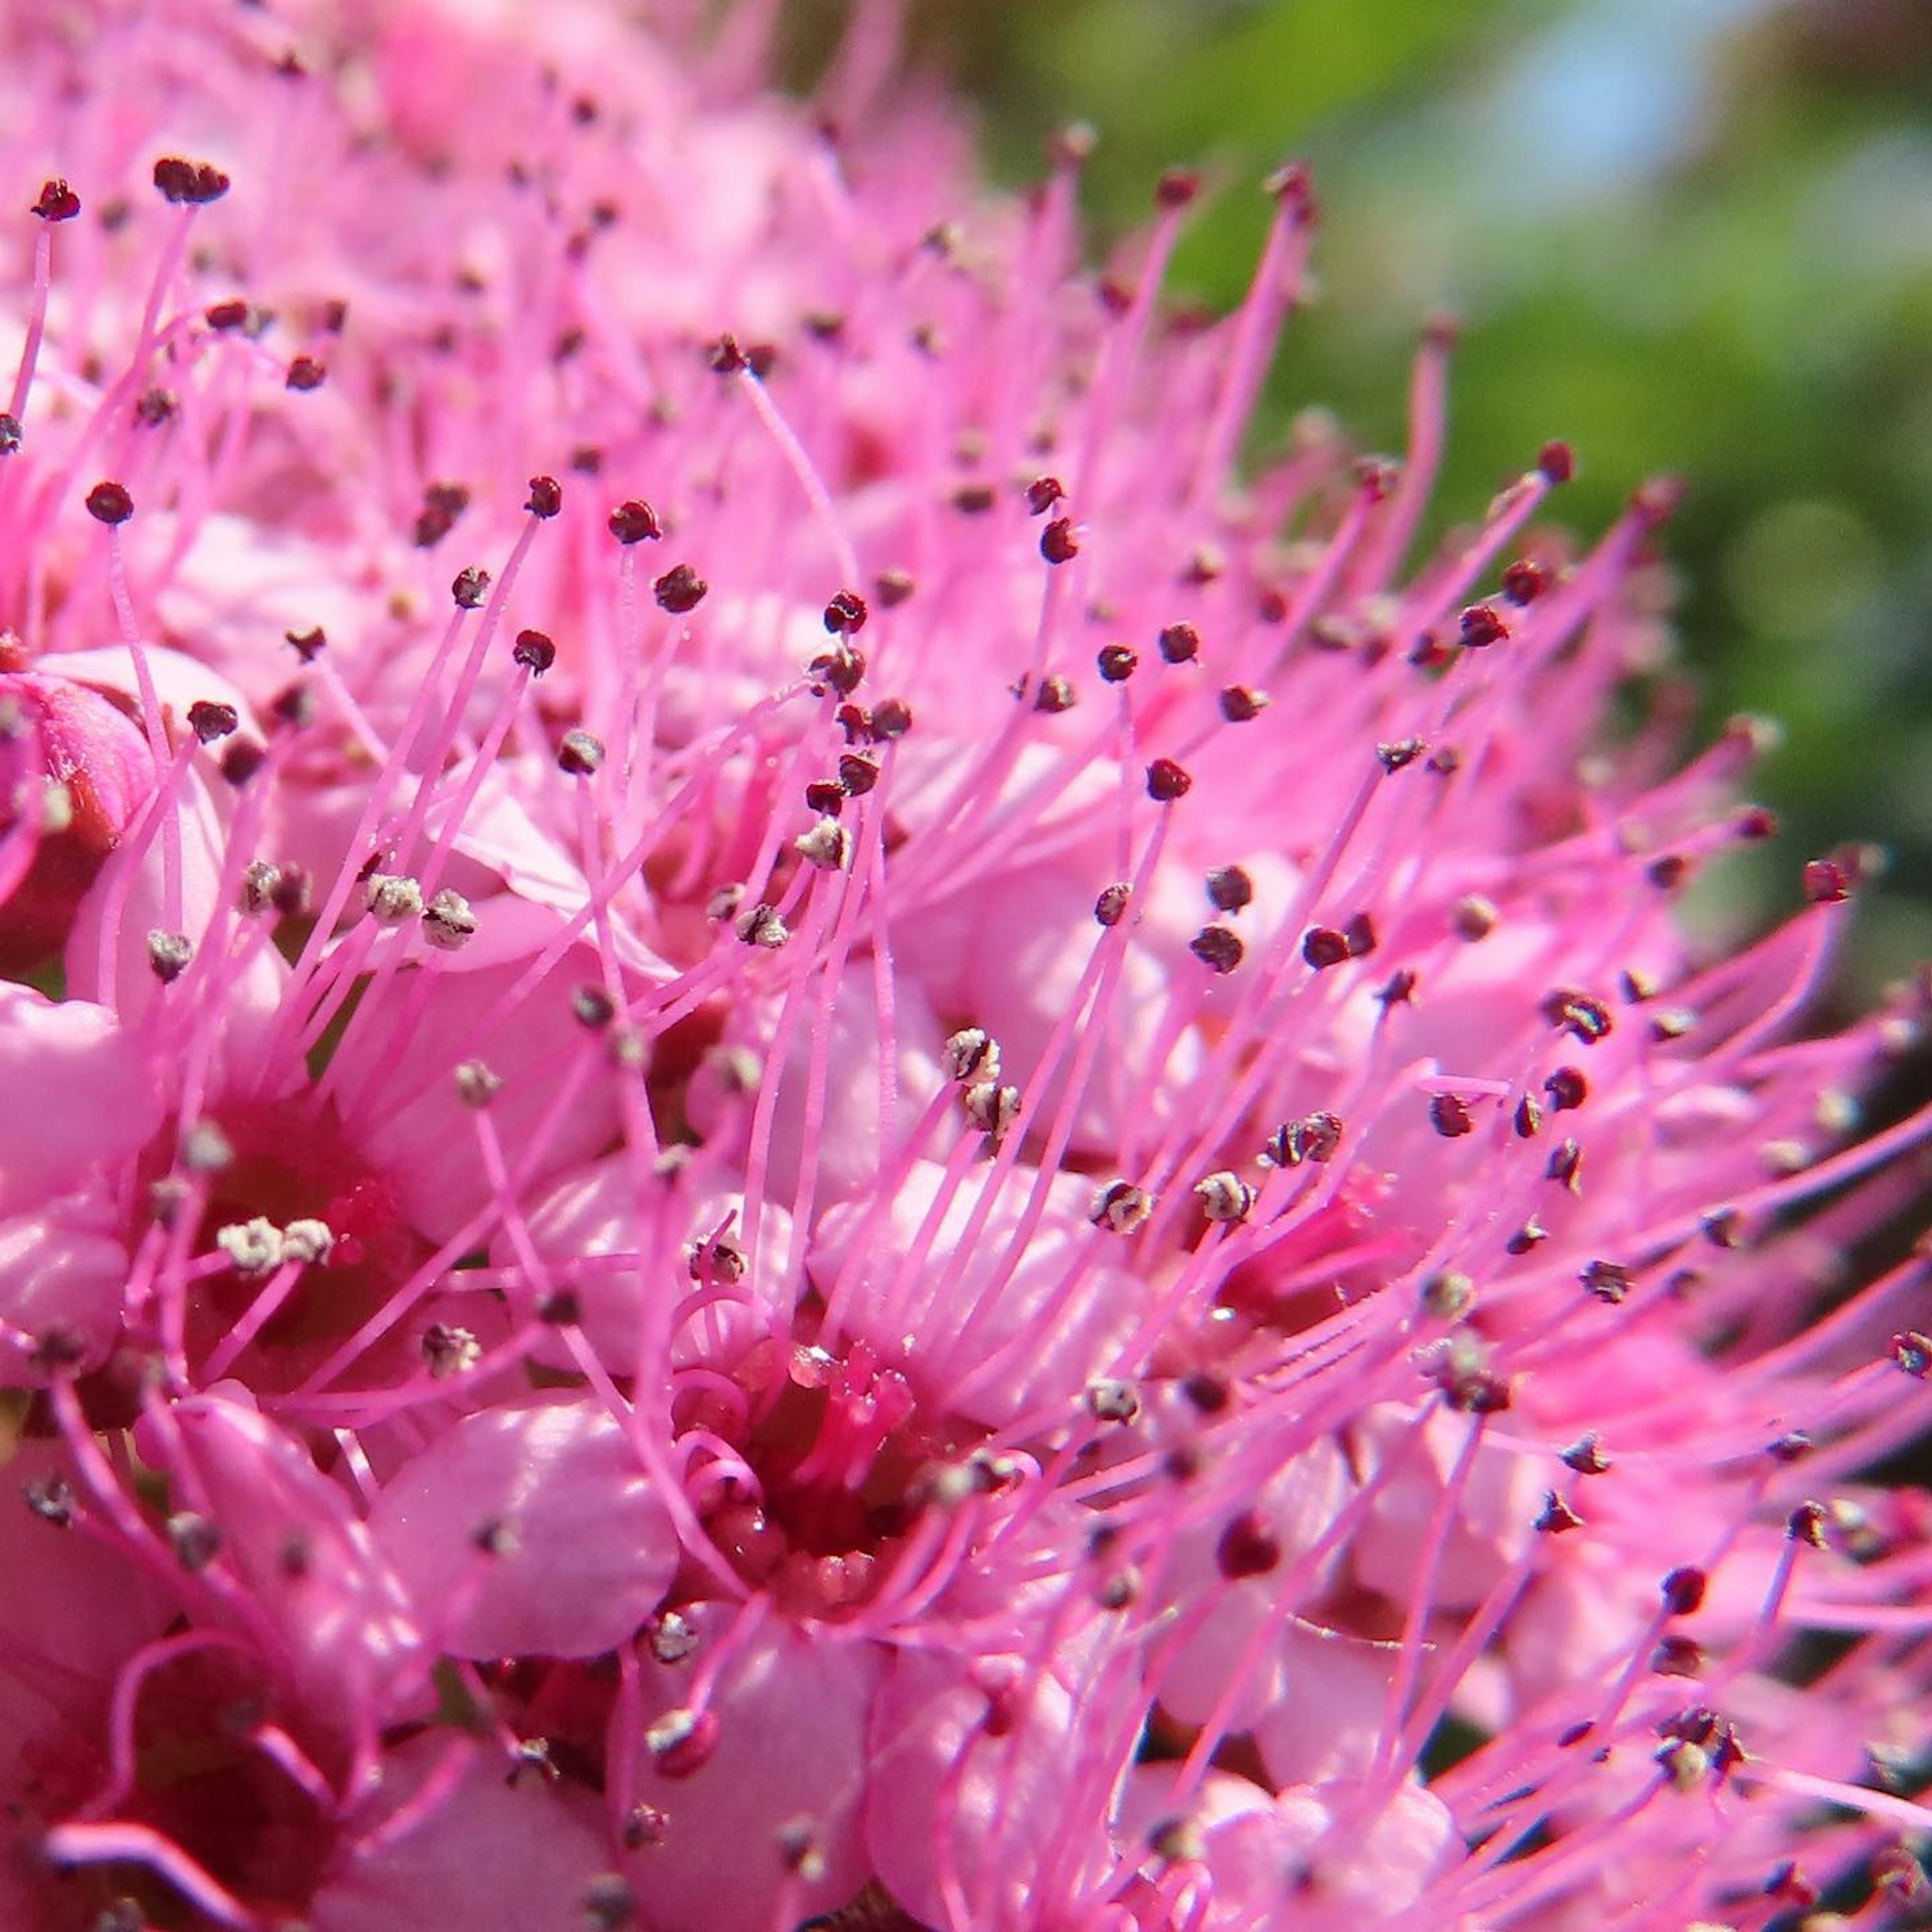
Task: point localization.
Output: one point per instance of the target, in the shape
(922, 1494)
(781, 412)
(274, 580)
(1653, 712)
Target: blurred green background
(1687, 235)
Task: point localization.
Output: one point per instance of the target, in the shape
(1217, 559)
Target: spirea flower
(800, 1127)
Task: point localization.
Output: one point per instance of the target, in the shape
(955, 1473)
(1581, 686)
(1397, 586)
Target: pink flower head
(809, 1130)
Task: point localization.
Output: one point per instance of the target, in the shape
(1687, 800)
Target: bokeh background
(1687, 234)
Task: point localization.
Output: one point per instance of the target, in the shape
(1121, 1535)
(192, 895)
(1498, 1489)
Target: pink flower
(795, 1125)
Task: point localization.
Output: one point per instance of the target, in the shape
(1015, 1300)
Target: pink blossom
(797, 1124)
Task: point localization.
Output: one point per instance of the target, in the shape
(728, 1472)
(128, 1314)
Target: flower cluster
(796, 1127)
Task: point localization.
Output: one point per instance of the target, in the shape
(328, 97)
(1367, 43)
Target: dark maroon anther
(1399, 988)
(1565, 1165)
(635, 521)
(1208, 1392)
(1667, 873)
(1247, 1548)
(1323, 946)
(109, 503)
(224, 315)
(1116, 662)
(470, 587)
(1477, 1392)
(1481, 624)
(189, 183)
(1581, 1015)
(580, 754)
(724, 357)
(1179, 644)
(241, 761)
(1557, 1515)
(840, 669)
(1056, 694)
(825, 797)
(1608, 1281)
(1217, 948)
(57, 203)
(1557, 461)
(1826, 882)
(546, 497)
(210, 720)
(1683, 1590)
(1527, 1121)
(856, 721)
(1359, 936)
(1042, 493)
(1451, 1116)
(975, 500)
(1057, 543)
(1229, 889)
(857, 773)
(534, 651)
(304, 373)
(1530, 1236)
(11, 432)
(1525, 581)
(891, 587)
(1167, 782)
(846, 614)
(1678, 1657)
(1567, 1088)
(680, 590)
(892, 717)
(1111, 906)
(1912, 1351)
(586, 459)
(593, 1007)
(1754, 822)
(294, 705)
(1241, 705)
(1402, 751)
(1176, 188)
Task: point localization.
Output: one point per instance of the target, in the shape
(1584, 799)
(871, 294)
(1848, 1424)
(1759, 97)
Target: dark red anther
(1826, 882)
(1179, 644)
(1581, 1015)
(304, 373)
(724, 356)
(1217, 948)
(189, 183)
(857, 774)
(680, 590)
(1167, 782)
(892, 717)
(1525, 581)
(1176, 188)
(109, 502)
(1241, 705)
(241, 761)
(825, 797)
(1527, 1120)
(635, 521)
(1393, 757)
(891, 587)
(546, 497)
(1557, 461)
(209, 720)
(975, 500)
(1359, 935)
(1567, 1088)
(1451, 1116)
(534, 651)
(1042, 493)
(846, 614)
(1116, 662)
(1247, 1548)
(1481, 624)
(223, 315)
(1323, 946)
(1057, 543)
(470, 587)
(1229, 888)
(57, 203)
(1683, 1591)
(1399, 988)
